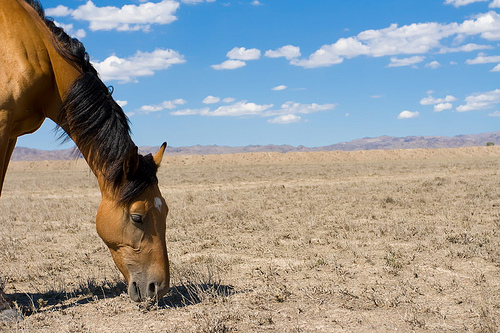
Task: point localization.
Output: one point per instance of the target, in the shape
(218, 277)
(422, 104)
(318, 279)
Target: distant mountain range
(381, 142)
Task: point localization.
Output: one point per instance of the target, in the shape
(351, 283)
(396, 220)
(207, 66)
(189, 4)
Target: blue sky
(296, 72)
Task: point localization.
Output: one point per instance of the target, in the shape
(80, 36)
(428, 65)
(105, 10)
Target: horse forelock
(132, 186)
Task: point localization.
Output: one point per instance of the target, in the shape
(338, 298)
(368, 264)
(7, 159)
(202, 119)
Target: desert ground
(367, 241)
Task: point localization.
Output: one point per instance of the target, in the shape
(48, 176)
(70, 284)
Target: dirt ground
(369, 241)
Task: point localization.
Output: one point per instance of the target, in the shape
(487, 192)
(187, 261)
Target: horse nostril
(152, 288)
(134, 291)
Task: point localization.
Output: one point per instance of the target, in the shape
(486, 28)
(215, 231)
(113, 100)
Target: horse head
(134, 229)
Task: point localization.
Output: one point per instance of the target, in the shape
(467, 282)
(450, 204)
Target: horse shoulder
(30, 88)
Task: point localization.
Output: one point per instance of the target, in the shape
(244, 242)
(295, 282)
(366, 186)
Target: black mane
(91, 117)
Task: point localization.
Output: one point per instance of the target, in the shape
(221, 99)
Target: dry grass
(303, 242)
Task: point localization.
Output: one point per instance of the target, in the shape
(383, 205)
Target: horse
(44, 73)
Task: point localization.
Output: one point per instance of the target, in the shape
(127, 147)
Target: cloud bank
(416, 39)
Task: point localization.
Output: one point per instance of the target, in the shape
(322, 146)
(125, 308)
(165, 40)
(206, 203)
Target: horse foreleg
(6, 143)
(6, 149)
(7, 310)
(7, 155)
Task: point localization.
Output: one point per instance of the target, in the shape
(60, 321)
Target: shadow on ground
(30, 303)
(179, 296)
(194, 293)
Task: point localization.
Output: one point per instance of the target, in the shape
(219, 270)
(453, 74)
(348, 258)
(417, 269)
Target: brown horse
(45, 73)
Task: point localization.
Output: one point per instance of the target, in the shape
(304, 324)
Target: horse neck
(65, 74)
(66, 70)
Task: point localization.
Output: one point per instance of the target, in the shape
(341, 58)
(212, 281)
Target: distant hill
(29, 154)
(381, 142)
(408, 142)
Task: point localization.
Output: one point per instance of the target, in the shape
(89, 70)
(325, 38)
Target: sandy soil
(369, 241)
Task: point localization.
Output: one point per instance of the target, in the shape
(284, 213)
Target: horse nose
(149, 290)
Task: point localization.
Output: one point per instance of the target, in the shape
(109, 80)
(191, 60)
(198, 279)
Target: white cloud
(299, 108)
(333, 54)
(494, 4)
(480, 101)
(285, 119)
(214, 100)
(287, 113)
(126, 18)
(416, 39)
(170, 105)
(433, 64)
(230, 64)
(429, 100)
(121, 103)
(320, 58)
(280, 87)
(211, 100)
(483, 59)
(256, 3)
(140, 64)
(465, 48)
(228, 100)
(459, 3)
(348, 47)
(408, 114)
(241, 53)
(442, 106)
(195, 2)
(411, 61)
(58, 11)
(486, 25)
(496, 68)
(242, 108)
(494, 114)
(189, 112)
(287, 51)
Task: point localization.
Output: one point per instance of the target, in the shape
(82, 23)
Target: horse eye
(136, 218)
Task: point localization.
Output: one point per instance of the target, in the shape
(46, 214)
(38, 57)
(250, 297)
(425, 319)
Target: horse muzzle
(141, 290)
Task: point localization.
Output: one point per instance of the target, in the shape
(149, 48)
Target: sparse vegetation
(303, 242)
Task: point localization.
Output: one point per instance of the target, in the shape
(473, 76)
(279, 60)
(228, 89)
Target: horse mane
(91, 117)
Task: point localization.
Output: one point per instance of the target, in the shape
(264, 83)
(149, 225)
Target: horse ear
(131, 163)
(159, 154)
